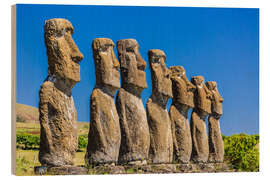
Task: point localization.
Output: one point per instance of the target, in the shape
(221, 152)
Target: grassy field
(27, 159)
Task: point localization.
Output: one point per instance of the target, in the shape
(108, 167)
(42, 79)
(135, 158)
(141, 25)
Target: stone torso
(135, 139)
(181, 134)
(161, 147)
(58, 120)
(104, 134)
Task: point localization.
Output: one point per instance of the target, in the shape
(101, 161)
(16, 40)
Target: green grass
(26, 160)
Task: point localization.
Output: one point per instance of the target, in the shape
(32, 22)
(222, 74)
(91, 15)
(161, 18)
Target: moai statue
(135, 140)
(104, 134)
(58, 116)
(202, 101)
(216, 146)
(161, 143)
(183, 93)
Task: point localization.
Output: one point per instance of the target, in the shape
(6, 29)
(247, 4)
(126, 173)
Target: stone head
(132, 65)
(202, 95)
(183, 89)
(217, 100)
(106, 64)
(63, 54)
(161, 82)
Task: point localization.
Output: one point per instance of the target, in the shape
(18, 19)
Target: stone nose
(116, 64)
(76, 55)
(141, 64)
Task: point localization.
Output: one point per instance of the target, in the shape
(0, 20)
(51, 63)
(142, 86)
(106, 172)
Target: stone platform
(63, 170)
(135, 169)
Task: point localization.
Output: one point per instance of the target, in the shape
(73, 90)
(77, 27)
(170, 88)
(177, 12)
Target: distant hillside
(26, 113)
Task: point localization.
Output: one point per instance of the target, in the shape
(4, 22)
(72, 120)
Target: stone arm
(172, 114)
(121, 110)
(46, 142)
(95, 118)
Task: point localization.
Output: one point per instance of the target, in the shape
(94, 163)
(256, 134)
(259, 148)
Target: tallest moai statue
(58, 117)
(135, 138)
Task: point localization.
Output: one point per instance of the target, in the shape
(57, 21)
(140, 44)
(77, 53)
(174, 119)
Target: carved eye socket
(130, 50)
(156, 60)
(59, 34)
(103, 49)
(62, 32)
(179, 75)
(69, 30)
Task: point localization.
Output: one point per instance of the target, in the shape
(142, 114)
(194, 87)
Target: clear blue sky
(221, 44)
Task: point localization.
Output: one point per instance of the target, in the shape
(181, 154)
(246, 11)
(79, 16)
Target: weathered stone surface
(202, 101)
(60, 170)
(136, 169)
(183, 92)
(161, 144)
(135, 138)
(216, 146)
(104, 135)
(58, 117)
(108, 169)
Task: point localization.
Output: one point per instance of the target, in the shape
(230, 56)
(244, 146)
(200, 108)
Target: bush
(241, 151)
(27, 141)
(19, 119)
(82, 142)
(31, 141)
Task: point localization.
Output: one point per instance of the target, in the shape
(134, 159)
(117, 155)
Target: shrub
(241, 151)
(19, 119)
(31, 141)
(28, 141)
(82, 142)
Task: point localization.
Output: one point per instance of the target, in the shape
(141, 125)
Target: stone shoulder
(45, 90)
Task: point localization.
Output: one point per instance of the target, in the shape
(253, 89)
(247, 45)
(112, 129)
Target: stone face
(135, 138)
(63, 54)
(161, 144)
(202, 101)
(202, 95)
(216, 146)
(161, 83)
(104, 135)
(183, 92)
(58, 117)
(132, 64)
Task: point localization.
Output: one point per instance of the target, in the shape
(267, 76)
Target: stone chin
(165, 87)
(188, 102)
(70, 71)
(113, 81)
(141, 80)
